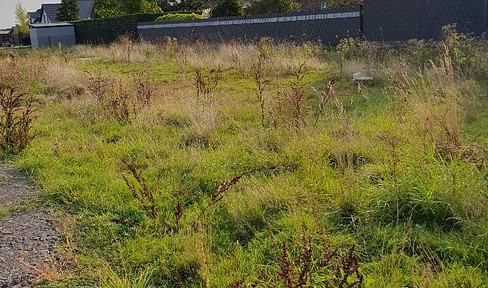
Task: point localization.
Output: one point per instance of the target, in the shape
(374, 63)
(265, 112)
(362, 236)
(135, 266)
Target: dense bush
(344, 3)
(225, 8)
(272, 6)
(111, 8)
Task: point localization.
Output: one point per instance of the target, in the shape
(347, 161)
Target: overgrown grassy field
(261, 165)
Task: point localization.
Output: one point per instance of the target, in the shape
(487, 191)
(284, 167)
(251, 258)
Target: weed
(348, 268)
(205, 114)
(119, 104)
(295, 275)
(276, 111)
(142, 193)
(144, 89)
(324, 97)
(343, 49)
(99, 86)
(258, 73)
(205, 86)
(335, 269)
(237, 284)
(220, 193)
(460, 48)
(126, 42)
(296, 96)
(178, 213)
(16, 120)
(202, 251)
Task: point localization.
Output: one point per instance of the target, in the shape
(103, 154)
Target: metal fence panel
(401, 20)
(328, 26)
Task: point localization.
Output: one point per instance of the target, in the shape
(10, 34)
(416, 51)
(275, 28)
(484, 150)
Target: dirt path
(28, 235)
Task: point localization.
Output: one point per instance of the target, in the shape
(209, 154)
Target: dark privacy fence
(100, 31)
(399, 20)
(329, 26)
(377, 20)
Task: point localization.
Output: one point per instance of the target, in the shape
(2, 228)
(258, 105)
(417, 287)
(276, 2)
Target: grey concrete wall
(52, 35)
(328, 26)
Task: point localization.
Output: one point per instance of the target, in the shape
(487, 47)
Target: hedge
(107, 30)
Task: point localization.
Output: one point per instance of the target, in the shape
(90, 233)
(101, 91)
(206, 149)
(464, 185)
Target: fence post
(361, 21)
(486, 17)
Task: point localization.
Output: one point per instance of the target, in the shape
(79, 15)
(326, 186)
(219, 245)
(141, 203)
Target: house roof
(35, 15)
(51, 10)
(85, 7)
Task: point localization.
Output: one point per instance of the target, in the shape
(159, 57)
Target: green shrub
(225, 8)
(272, 6)
(179, 16)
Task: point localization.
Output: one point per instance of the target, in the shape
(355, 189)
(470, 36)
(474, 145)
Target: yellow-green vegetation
(179, 16)
(263, 165)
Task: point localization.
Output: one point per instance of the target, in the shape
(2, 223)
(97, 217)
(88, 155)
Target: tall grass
(225, 202)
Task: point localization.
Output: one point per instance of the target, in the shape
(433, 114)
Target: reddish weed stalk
(297, 95)
(258, 73)
(15, 120)
(298, 273)
(219, 194)
(143, 194)
(205, 86)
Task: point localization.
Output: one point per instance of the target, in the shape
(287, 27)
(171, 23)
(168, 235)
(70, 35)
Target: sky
(7, 9)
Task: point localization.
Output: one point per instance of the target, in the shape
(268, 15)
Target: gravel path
(27, 238)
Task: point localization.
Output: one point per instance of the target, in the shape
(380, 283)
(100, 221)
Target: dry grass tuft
(64, 80)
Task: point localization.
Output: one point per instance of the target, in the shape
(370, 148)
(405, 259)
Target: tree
(150, 6)
(226, 8)
(344, 3)
(184, 5)
(272, 6)
(68, 11)
(22, 19)
(107, 8)
(116, 8)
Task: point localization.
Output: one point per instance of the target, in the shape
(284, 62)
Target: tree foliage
(272, 6)
(150, 6)
(344, 3)
(68, 11)
(226, 8)
(115, 8)
(21, 19)
(185, 5)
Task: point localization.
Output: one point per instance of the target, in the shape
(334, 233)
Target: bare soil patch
(27, 238)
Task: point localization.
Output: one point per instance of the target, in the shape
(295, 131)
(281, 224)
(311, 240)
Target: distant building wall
(50, 35)
(3, 37)
(328, 26)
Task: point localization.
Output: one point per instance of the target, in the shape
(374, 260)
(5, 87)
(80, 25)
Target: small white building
(51, 35)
